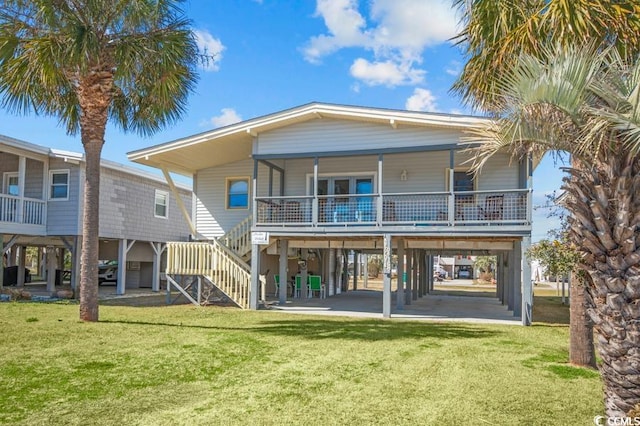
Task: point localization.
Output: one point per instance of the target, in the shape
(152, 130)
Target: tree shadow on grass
(550, 312)
(363, 330)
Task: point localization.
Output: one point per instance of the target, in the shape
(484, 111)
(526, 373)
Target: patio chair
(296, 290)
(315, 284)
(493, 207)
(276, 280)
(364, 210)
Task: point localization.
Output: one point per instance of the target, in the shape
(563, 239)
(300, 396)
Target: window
(161, 204)
(11, 184)
(59, 180)
(238, 193)
(462, 181)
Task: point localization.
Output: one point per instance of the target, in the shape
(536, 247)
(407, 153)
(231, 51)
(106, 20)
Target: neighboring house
(314, 182)
(41, 206)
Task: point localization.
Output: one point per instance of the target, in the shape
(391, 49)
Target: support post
(158, 249)
(332, 272)
(517, 279)
(365, 275)
(400, 278)
(122, 267)
(254, 293)
(51, 269)
(22, 252)
(386, 287)
(409, 276)
(304, 288)
(75, 263)
(356, 262)
(283, 272)
(527, 284)
(414, 283)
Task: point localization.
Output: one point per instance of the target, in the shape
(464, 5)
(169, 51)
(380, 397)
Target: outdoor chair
(298, 285)
(276, 280)
(315, 284)
(364, 210)
(493, 207)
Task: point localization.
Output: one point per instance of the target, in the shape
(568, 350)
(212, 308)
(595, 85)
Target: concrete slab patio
(433, 307)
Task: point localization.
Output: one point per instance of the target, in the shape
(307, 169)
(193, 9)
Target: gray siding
(127, 205)
(62, 215)
(330, 135)
(34, 179)
(213, 219)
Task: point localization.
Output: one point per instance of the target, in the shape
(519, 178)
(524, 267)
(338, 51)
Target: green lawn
(188, 365)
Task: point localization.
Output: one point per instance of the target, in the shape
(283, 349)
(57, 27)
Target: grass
(188, 365)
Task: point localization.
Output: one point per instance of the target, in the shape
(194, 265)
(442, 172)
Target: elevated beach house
(293, 195)
(41, 206)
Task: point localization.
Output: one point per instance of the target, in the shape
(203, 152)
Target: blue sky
(276, 54)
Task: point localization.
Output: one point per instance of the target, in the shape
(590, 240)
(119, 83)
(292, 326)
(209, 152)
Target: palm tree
(88, 61)
(587, 102)
(496, 32)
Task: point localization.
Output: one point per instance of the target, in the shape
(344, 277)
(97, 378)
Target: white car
(108, 272)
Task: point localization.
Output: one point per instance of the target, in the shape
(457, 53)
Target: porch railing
(216, 263)
(22, 210)
(430, 208)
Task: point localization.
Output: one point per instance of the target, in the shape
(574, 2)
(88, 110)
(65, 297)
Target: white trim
(226, 192)
(155, 203)
(311, 111)
(50, 184)
(5, 180)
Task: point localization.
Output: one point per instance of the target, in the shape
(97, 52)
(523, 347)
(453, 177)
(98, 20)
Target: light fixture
(403, 175)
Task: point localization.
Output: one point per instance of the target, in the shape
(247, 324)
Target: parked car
(108, 271)
(464, 274)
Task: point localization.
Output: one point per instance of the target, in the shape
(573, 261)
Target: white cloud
(209, 46)
(454, 68)
(228, 116)
(388, 73)
(396, 32)
(422, 100)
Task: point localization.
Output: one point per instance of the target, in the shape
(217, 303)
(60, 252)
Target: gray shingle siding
(62, 215)
(127, 204)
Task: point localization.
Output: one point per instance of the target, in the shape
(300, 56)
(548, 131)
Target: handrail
(216, 263)
(238, 238)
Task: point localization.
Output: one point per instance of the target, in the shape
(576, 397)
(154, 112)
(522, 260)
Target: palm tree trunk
(94, 95)
(605, 217)
(581, 348)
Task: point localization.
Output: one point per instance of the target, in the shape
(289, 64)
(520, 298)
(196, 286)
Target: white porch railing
(22, 210)
(238, 238)
(505, 207)
(216, 263)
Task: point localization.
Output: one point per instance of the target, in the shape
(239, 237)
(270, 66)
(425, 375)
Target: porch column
(498, 276)
(379, 204)
(315, 206)
(527, 284)
(414, 283)
(123, 248)
(22, 167)
(51, 269)
(430, 274)
(365, 276)
(409, 276)
(283, 272)
(12, 256)
(510, 272)
(332, 272)
(356, 262)
(386, 282)
(400, 278)
(424, 269)
(75, 263)
(22, 252)
(158, 249)
(304, 288)
(517, 279)
(254, 292)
